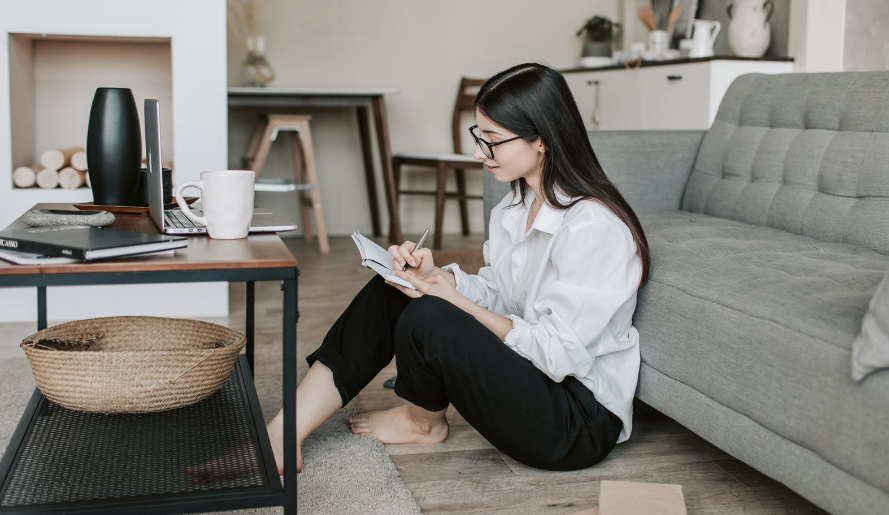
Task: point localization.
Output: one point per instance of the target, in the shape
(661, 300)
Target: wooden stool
(306, 183)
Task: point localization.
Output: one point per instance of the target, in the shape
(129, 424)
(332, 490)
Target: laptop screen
(153, 156)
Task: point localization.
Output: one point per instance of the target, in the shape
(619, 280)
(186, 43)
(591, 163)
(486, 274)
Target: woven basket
(131, 364)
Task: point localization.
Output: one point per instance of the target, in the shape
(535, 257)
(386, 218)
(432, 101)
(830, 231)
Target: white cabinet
(608, 100)
(675, 96)
(681, 95)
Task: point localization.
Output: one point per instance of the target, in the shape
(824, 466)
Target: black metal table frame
(210, 501)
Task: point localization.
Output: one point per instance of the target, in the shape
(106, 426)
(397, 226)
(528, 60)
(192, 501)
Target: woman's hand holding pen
(422, 273)
(430, 280)
(420, 262)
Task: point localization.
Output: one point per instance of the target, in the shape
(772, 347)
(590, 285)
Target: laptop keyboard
(175, 218)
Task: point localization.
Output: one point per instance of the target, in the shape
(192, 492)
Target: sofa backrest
(806, 153)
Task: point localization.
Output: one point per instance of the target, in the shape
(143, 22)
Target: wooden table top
(203, 253)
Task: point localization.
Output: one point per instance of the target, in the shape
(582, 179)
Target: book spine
(36, 247)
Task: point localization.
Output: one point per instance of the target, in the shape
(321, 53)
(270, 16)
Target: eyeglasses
(486, 146)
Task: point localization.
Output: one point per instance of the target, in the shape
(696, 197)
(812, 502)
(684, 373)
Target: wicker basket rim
(227, 338)
(151, 352)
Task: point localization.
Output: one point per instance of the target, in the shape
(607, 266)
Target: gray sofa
(769, 234)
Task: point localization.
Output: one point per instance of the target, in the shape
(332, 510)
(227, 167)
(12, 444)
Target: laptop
(173, 221)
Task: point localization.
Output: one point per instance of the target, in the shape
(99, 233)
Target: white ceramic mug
(227, 202)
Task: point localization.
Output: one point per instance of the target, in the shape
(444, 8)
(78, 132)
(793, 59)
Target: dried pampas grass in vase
(244, 20)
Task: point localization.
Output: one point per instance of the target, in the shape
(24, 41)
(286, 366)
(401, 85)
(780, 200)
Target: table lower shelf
(213, 455)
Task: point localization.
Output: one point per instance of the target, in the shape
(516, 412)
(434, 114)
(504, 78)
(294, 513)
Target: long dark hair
(534, 100)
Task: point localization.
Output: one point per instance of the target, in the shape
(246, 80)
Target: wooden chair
(441, 163)
(305, 175)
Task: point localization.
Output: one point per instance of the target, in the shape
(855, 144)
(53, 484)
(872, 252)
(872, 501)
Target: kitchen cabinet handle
(674, 77)
(592, 83)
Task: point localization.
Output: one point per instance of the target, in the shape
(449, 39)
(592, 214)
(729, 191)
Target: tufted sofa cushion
(762, 322)
(805, 153)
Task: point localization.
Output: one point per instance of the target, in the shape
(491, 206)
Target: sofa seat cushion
(762, 321)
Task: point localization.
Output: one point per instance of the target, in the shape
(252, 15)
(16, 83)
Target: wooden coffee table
(64, 461)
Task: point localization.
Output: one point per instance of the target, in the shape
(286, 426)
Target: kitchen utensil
(674, 17)
(646, 16)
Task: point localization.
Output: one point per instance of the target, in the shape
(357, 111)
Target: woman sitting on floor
(537, 352)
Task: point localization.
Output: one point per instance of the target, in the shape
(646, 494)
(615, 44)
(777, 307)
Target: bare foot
(399, 425)
(276, 438)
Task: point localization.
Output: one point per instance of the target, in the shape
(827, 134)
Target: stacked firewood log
(65, 167)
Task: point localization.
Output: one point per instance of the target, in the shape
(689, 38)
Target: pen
(417, 247)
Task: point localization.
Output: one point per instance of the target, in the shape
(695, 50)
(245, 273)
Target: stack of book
(70, 244)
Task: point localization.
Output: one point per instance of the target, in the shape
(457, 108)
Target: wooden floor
(465, 474)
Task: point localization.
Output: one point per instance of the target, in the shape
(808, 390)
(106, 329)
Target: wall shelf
(53, 56)
(53, 79)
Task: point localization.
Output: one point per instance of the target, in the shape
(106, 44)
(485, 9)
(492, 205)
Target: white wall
(866, 45)
(65, 78)
(422, 48)
(839, 35)
(817, 32)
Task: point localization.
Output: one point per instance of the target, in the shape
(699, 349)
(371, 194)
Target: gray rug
(344, 473)
(347, 473)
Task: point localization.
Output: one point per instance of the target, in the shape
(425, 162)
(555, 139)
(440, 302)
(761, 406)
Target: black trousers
(445, 356)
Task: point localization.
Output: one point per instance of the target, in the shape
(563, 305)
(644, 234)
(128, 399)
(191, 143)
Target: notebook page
(378, 259)
(372, 251)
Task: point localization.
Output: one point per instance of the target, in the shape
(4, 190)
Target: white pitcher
(749, 33)
(704, 38)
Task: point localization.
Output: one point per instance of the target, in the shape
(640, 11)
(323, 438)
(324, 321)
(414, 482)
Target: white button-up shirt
(569, 286)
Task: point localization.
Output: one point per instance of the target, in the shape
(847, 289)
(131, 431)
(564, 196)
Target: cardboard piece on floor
(626, 498)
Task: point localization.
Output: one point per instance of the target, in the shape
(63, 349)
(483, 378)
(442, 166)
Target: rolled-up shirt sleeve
(480, 288)
(597, 270)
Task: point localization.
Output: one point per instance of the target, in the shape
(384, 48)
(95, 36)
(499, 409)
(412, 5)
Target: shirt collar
(548, 218)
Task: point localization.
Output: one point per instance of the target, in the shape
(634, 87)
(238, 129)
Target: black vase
(114, 147)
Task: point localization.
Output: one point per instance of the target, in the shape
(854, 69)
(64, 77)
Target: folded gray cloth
(47, 217)
(870, 351)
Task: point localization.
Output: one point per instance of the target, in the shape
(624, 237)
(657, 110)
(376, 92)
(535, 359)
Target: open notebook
(377, 259)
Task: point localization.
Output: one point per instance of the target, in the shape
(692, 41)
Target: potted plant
(600, 34)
